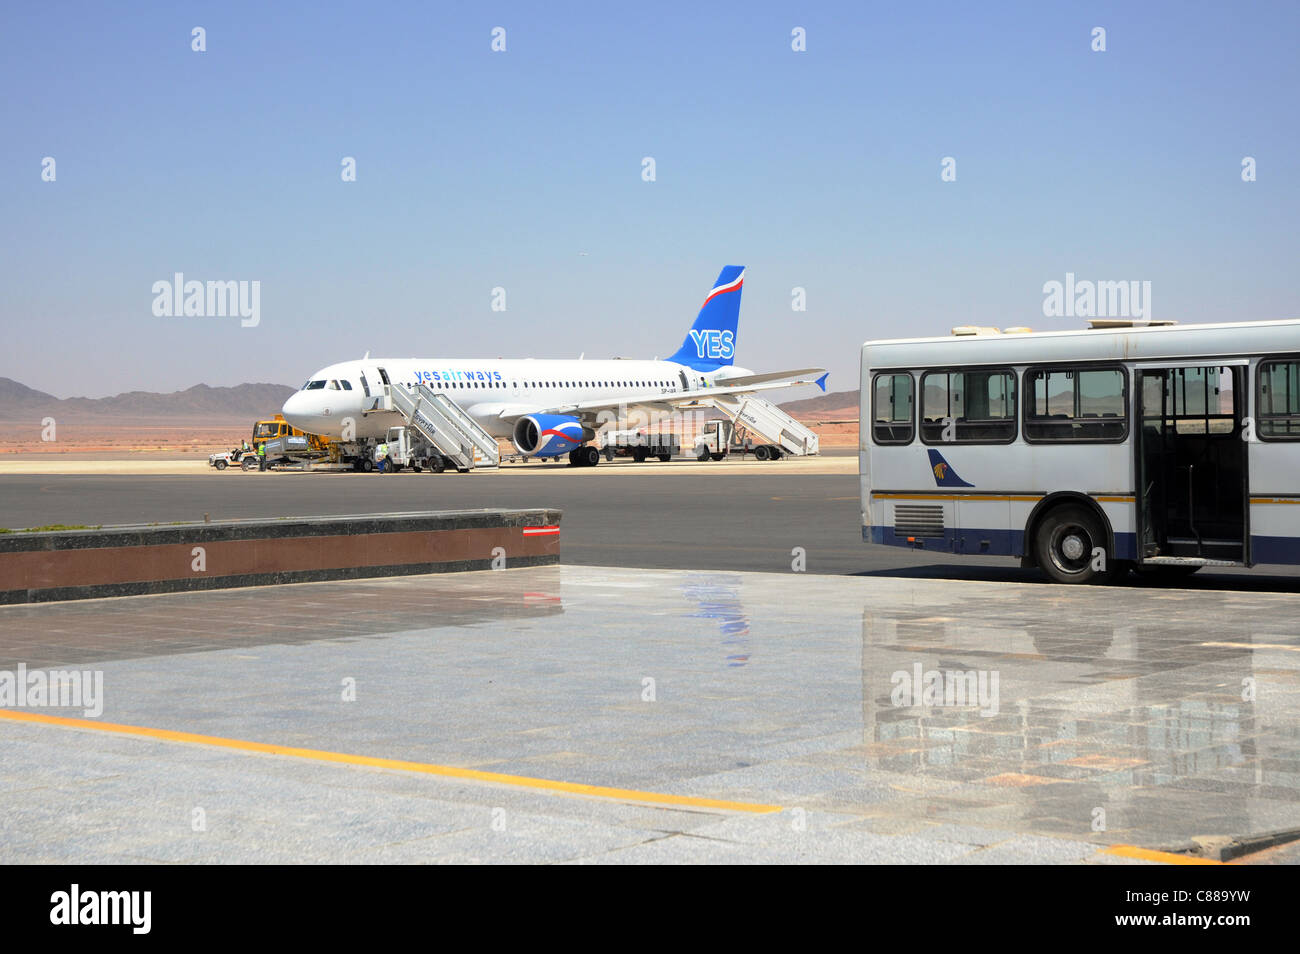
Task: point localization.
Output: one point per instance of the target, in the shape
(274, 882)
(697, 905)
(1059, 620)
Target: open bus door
(1191, 460)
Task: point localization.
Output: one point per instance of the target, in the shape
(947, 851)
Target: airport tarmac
(587, 714)
(839, 461)
(699, 518)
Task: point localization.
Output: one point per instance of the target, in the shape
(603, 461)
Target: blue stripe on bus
(1274, 549)
(973, 541)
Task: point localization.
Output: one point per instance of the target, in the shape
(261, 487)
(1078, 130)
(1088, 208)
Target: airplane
(548, 407)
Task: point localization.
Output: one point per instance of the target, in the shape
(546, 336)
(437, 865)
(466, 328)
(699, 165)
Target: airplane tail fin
(711, 342)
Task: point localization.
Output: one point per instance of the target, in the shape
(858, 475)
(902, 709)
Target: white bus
(1087, 452)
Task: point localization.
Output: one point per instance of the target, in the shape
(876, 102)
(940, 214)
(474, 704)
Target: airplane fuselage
(491, 391)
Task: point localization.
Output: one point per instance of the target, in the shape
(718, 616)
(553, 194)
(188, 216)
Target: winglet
(821, 382)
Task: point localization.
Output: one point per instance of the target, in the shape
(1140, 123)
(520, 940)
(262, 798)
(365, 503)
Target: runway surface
(705, 520)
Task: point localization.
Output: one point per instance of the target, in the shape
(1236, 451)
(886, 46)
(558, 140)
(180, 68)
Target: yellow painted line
(424, 768)
(1164, 857)
(1274, 500)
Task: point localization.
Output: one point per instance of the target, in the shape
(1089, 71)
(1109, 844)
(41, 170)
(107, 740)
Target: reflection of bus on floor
(1161, 448)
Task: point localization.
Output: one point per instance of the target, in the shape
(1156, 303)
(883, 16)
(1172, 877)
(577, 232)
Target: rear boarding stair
(768, 421)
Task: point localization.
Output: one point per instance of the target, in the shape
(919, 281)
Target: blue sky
(476, 169)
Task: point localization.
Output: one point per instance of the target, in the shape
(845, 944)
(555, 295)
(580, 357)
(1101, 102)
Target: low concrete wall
(128, 561)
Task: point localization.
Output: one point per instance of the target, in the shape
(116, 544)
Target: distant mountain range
(837, 404)
(250, 401)
(244, 402)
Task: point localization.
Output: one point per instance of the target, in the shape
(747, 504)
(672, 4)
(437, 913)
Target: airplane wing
(745, 384)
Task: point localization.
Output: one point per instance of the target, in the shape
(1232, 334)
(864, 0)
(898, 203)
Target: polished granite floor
(886, 720)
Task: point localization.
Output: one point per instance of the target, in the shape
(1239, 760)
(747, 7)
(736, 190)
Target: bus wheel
(1064, 545)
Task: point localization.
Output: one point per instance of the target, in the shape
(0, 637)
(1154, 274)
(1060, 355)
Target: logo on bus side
(944, 475)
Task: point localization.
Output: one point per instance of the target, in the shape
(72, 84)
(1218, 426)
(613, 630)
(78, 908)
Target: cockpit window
(314, 385)
(347, 385)
(334, 386)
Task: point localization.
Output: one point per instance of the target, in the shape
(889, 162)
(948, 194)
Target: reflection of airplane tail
(718, 596)
(711, 342)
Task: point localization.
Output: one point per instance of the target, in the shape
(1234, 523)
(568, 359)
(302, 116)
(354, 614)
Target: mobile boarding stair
(444, 424)
(768, 421)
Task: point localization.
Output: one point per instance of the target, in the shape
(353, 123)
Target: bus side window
(1279, 400)
(891, 409)
(1076, 404)
(980, 407)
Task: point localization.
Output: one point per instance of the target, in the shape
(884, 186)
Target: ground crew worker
(261, 456)
(381, 457)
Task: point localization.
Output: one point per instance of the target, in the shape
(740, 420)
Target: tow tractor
(232, 458)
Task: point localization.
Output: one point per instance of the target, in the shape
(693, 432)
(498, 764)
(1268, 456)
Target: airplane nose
(295, 409)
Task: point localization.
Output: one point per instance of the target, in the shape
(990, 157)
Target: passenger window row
(980, 406)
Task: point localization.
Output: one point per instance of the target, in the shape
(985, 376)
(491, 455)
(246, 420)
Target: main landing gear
(584, 456)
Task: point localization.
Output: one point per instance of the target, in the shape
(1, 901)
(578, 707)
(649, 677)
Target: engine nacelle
(549, 435)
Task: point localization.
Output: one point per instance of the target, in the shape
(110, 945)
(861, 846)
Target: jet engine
(549, 435)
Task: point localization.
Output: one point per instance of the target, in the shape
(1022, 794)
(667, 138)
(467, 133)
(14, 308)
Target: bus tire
(1064, 543)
